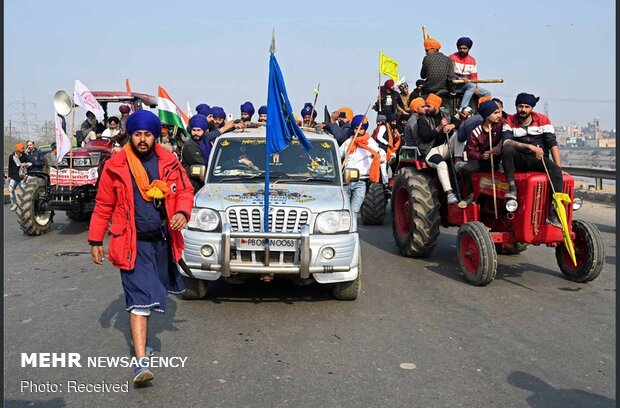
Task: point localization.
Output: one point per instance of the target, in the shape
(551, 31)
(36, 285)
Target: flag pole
(272, 50)
(71, 149)
(379, 87)
(492, 171)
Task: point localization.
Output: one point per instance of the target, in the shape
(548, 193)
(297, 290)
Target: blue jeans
(469, 89)
(356, 192)
(12, 186)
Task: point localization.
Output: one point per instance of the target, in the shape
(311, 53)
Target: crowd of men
(147, 176)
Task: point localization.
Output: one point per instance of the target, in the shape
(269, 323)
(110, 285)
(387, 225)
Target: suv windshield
(239, 160)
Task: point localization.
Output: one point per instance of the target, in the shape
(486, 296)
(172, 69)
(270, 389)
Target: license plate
(275, 244)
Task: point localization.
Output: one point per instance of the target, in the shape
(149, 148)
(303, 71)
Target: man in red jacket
(147, 195)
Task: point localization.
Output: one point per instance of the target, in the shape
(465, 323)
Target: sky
(218, 53)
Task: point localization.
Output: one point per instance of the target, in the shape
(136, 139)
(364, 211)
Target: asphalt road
(418, 336)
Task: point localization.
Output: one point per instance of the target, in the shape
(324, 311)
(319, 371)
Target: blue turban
(143, 120)
(198, 121)
(203, 109)
(262, 110)
(486, 108)
(466, 41)
(526, 99)
(218, 112)
(307, 109)
(357, 119)
(248, 108)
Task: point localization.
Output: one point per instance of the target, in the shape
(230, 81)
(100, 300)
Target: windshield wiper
(243, 177)
(304, 179)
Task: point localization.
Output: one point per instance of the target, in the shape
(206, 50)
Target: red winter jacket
(115, 201)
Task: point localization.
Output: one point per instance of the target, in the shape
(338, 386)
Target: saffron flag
(84, 98)
(388, 66)
(63, 143)
(169, 112)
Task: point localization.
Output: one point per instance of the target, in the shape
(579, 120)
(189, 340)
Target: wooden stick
(316, 96)
(479, 81)
(425, 33)
(71, 149)
(346, 156)
(492, 171)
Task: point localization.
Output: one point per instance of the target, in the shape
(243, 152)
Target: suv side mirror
(350, 176)
(198, 171)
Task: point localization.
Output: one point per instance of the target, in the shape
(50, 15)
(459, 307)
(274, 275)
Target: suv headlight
(331, 222)
(204, 219)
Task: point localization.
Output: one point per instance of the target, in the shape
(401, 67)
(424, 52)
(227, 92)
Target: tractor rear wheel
(589, 253)
(373, 207)
(415, 213)
(476, 253)
(33, 219)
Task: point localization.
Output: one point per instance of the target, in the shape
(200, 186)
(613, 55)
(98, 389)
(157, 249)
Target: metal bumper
(303, 268)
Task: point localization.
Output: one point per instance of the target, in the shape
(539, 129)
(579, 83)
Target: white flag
(189, 110)
(84, 98)
(63, 143)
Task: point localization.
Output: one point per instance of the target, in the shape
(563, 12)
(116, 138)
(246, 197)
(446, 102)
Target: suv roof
(311, 134)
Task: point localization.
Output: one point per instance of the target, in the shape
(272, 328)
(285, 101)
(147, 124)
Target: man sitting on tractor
(435, 127)
(528, 138)
(478, 147)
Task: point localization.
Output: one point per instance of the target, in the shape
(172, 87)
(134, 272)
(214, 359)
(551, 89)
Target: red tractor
(419, 208)
(72, 185)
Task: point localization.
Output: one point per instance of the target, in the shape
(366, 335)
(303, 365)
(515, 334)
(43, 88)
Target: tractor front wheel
(476, 253)
(589, 253)
(373, 207)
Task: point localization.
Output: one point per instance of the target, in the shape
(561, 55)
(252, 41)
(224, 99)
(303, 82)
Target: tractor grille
(249, 219)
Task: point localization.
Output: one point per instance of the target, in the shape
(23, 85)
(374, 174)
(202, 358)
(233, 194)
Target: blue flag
(281, 126)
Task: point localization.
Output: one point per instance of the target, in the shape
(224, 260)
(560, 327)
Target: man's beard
(143, 155)
(212, 126)
(463, 54)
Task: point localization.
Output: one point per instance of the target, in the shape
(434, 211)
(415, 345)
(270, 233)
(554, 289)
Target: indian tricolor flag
(169, 112)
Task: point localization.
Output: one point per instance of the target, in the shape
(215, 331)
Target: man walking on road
(147, 195)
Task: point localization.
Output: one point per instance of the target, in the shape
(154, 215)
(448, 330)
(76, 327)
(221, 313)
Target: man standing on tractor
(146, 195)
(361, 152)
(434, 127)
(478, 147)
(437, 69)
(528, 138)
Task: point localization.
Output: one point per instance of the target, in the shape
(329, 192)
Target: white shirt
(361, 159)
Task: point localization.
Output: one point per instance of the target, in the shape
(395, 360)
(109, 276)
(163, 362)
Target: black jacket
(190, 155)
(14, 168)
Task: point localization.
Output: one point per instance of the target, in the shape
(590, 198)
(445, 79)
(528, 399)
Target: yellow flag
(388, 66)
(559, 199)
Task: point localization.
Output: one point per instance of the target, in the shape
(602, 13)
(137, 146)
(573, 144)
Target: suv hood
(317, 198)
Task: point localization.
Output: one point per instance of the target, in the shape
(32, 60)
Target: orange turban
(19, 147)
(415, 104)
(347, 112)
(484, 99)
(433, 100)
(431, 43)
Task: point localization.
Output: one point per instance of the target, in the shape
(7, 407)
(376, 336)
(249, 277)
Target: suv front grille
(249, 219)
